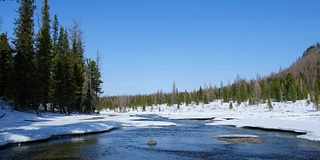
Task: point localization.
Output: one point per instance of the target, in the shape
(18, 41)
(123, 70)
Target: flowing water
(189, 140)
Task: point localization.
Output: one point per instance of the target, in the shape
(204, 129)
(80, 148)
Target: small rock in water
(152, 142)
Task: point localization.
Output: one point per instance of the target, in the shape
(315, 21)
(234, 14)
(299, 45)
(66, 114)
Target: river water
(189, 140)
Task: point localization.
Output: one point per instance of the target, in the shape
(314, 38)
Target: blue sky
(145, 45)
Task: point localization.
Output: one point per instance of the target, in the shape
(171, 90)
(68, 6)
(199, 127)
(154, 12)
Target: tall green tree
(225, 94)
(290, 88)
(77, 58)
(92, 86)
(24, 60)
(6, 68)
(243, 91)
(65, 87)
(44, 57)
(55, 53)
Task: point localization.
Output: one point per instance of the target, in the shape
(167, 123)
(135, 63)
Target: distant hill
(305, 67)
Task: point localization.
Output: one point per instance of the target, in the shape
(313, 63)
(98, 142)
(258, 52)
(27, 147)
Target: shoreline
(297, 118)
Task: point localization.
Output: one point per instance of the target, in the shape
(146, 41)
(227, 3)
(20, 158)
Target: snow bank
(297, 117)
(19, 127)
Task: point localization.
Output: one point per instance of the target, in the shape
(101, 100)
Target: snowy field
(19, 127)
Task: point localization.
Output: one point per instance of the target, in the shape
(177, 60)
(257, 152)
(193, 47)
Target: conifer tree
(6, 68)
(316, 92)
(197, 99)
(243, 92)
(205, 99)
(200, 94)
(77, 58)
(55, 27)
(44, 57)
(187, 98)
(65, 88)
(24, 60)
(225, 94)
(290, 88)
(55, 58)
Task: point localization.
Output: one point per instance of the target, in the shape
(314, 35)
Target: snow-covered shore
(297, 117)
(19, 127)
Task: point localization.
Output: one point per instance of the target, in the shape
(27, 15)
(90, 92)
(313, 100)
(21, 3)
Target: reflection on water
(189, 140)
(59, 149)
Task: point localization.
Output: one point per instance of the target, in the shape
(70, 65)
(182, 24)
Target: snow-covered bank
(18, 127)
(300, 117)
(296, 117)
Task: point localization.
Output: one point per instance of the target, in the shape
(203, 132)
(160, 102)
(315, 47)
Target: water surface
(189, 140)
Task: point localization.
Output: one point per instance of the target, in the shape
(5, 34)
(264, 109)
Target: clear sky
(145, 45)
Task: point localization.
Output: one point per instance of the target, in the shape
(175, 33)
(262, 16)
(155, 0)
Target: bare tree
(1, 21)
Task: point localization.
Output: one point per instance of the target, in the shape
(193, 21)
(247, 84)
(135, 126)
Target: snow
(16, 127)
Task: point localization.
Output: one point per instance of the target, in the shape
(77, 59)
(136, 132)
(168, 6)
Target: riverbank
(20, 127)
(299, 117)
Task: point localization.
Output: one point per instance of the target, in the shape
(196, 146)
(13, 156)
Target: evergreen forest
(46, 70)
(301, 80)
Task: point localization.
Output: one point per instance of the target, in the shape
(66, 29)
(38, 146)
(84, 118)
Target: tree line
(47, 70)
(299, 81)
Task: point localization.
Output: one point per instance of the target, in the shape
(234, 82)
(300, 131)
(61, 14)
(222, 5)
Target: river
(191, 139)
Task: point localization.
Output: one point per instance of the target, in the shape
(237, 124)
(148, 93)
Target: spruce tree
(44, 57)
(290, 88)
(65, 87)
(243, 92)
(205, 99)
(315, 98)
(76, 55)
(55, 53)
(92, 86)
(187, 97)
(6, 68)
(225, 94)
(24, 60)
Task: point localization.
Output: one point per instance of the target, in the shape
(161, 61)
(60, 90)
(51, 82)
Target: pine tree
(65, 87)
(200, 94)
(197, 99)
(24, 60)
(44, 57)
(205, 99)
(76, 55)
(55, 53)
(243, 92)
(225, 94)
(316, 93)
(277, 89)
(187, 98)
(6, 68)
(55, 27)
(265, 90)
(92, 86)
(290, 88)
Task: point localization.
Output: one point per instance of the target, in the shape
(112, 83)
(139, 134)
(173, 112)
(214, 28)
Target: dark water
(189, 140)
